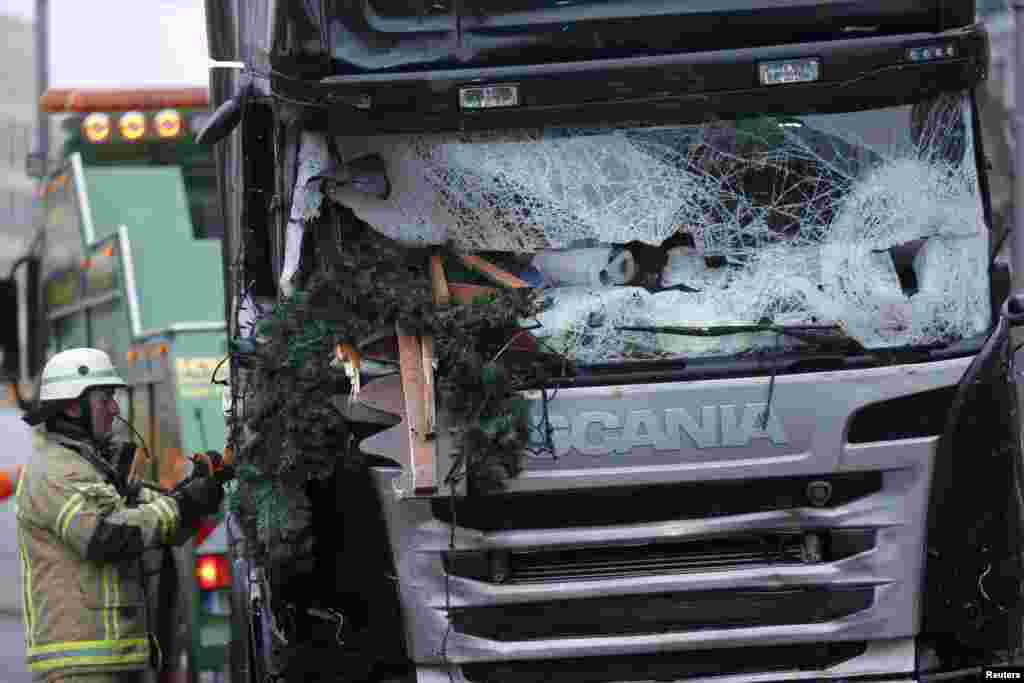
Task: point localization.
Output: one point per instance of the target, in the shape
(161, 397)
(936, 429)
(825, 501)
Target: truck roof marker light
(168, 123)
(132, 125)
(926, 53)
(783, 71)
(96, 127)
(489, 96)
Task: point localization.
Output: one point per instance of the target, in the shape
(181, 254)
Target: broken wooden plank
(442, 297)
(349, 358)
(464, 293)
(429, 400)
(492, 272)
(421, 445)
(439, 282)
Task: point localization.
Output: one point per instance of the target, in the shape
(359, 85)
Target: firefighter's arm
(91, 518)
(186, 528)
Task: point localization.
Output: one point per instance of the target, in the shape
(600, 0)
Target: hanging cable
(771, 385)
(142, 442)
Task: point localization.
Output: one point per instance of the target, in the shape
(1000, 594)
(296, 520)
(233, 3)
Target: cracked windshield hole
(870, 221)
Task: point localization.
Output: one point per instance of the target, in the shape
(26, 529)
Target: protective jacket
(80, 540)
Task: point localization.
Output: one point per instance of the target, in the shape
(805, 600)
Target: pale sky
(120, 43)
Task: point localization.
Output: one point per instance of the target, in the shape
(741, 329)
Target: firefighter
(82, 529)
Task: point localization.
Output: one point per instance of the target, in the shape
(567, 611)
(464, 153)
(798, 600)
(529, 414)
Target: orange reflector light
(212, 572)
(109, 251)
(96, 127)
(168, 123)
(6, 485)
(132, 356)
(132, 125)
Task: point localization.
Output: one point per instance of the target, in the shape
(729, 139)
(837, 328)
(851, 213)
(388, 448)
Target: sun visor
(390, 35)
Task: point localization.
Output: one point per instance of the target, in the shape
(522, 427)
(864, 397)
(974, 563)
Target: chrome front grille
(651, 554)
(552, 566)
(602, 563)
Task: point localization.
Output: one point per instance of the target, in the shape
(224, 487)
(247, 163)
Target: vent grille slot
(620, 505)
(595, 569)
(600, 563)
(668, 666)
(612, 562)
(907, 417)
(649, 614)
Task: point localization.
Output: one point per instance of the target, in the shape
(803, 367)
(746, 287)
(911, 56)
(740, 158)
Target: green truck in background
(127, 259)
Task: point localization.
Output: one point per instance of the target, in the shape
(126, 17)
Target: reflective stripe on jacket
(82, 616)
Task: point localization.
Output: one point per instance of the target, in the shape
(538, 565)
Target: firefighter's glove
(132, 493)
(197, 499)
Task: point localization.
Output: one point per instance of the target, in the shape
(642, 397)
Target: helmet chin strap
(84, 420)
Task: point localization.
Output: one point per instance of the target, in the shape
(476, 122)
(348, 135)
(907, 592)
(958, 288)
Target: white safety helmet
(69, 373)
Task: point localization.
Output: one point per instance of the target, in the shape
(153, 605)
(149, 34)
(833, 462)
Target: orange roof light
(96, 127)
(83, 100)
(109, 251)
(132, 125)
(168, 123)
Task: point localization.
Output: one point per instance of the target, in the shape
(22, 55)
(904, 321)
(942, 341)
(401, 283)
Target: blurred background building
(17, 131)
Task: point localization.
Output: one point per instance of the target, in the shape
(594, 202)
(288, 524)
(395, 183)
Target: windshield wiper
(831, 336)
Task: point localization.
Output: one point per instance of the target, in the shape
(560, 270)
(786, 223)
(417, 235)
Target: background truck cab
(126, 258)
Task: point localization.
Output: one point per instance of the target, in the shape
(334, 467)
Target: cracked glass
(869, 220)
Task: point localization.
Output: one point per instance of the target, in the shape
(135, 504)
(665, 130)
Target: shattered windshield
(870, 221)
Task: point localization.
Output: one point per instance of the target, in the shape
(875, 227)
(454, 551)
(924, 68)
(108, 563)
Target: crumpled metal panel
(974, 570)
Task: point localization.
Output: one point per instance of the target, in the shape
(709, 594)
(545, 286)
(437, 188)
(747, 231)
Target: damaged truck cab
(613, 341)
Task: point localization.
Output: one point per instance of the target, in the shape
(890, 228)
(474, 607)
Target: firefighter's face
(103, 409)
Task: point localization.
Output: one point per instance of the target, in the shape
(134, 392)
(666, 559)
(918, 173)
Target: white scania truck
(753, 422)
